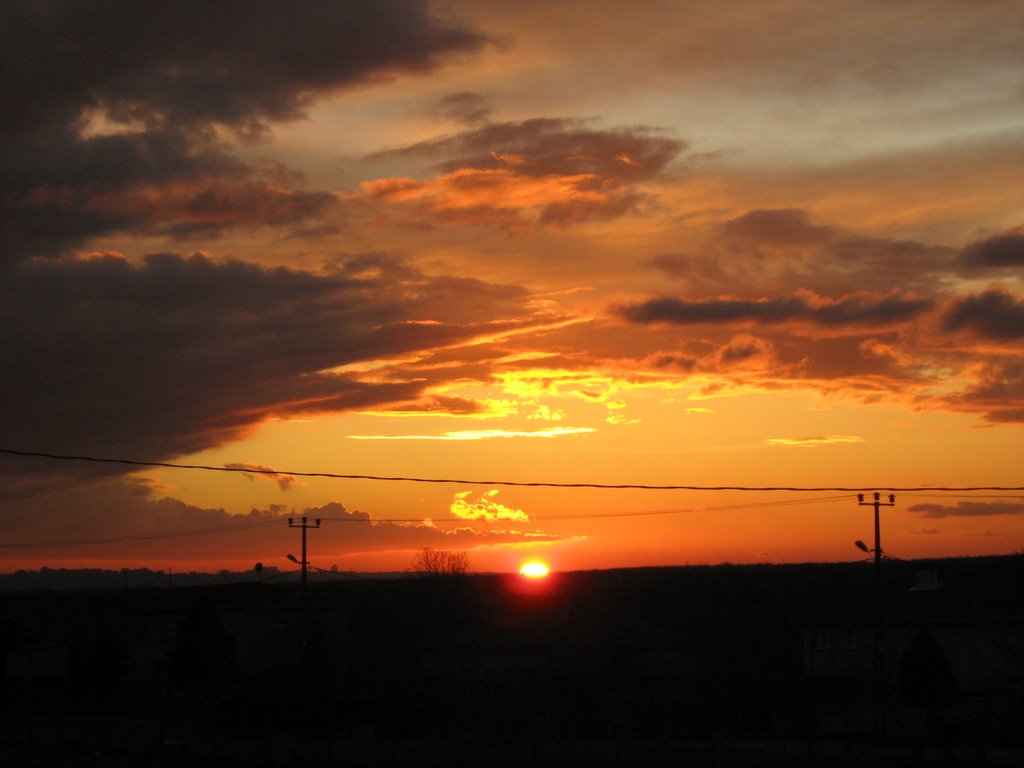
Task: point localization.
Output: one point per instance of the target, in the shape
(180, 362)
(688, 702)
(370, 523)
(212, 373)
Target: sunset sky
(677, 243)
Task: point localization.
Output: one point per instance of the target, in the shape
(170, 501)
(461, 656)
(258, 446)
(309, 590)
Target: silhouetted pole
(304, 563)
(879, 682)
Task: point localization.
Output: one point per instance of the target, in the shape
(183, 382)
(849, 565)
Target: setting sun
(534, 570)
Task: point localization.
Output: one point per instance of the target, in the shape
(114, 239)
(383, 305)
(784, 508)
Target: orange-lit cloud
(486, 507)
(534, 172)
(505, 198)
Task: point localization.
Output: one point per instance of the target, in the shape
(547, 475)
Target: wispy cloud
(283, 481)
(969, 509)
(814, 442)
(484, 434)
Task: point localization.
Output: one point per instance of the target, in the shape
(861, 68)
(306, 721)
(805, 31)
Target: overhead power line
(596, 515)
(143, 536)
(415, 520)
(516, 483)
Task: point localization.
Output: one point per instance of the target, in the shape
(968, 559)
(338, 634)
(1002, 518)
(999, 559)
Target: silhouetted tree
(433, 562)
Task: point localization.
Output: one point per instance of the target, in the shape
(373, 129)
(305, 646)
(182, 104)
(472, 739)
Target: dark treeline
(691, 655)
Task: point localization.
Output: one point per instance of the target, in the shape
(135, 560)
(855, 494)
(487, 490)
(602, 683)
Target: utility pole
(878, 669)
(304, 563)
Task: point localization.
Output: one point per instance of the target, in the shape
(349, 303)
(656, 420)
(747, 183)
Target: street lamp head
(861, 546)
(292, 558)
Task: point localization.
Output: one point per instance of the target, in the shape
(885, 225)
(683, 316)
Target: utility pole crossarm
(876, 503)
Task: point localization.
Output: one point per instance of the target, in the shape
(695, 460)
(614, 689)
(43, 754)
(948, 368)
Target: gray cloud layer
(775, 250)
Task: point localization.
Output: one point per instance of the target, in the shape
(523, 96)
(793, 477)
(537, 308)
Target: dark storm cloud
(164, 75)
(969, 509)
(185, 209)
(194, 63)
(58, 185)
(993, 314)
(856, 309)
(1002, 252)
(551, 146)
(178, 354)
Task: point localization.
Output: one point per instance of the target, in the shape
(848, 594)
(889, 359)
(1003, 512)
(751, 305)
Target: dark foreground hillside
(726, 665)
